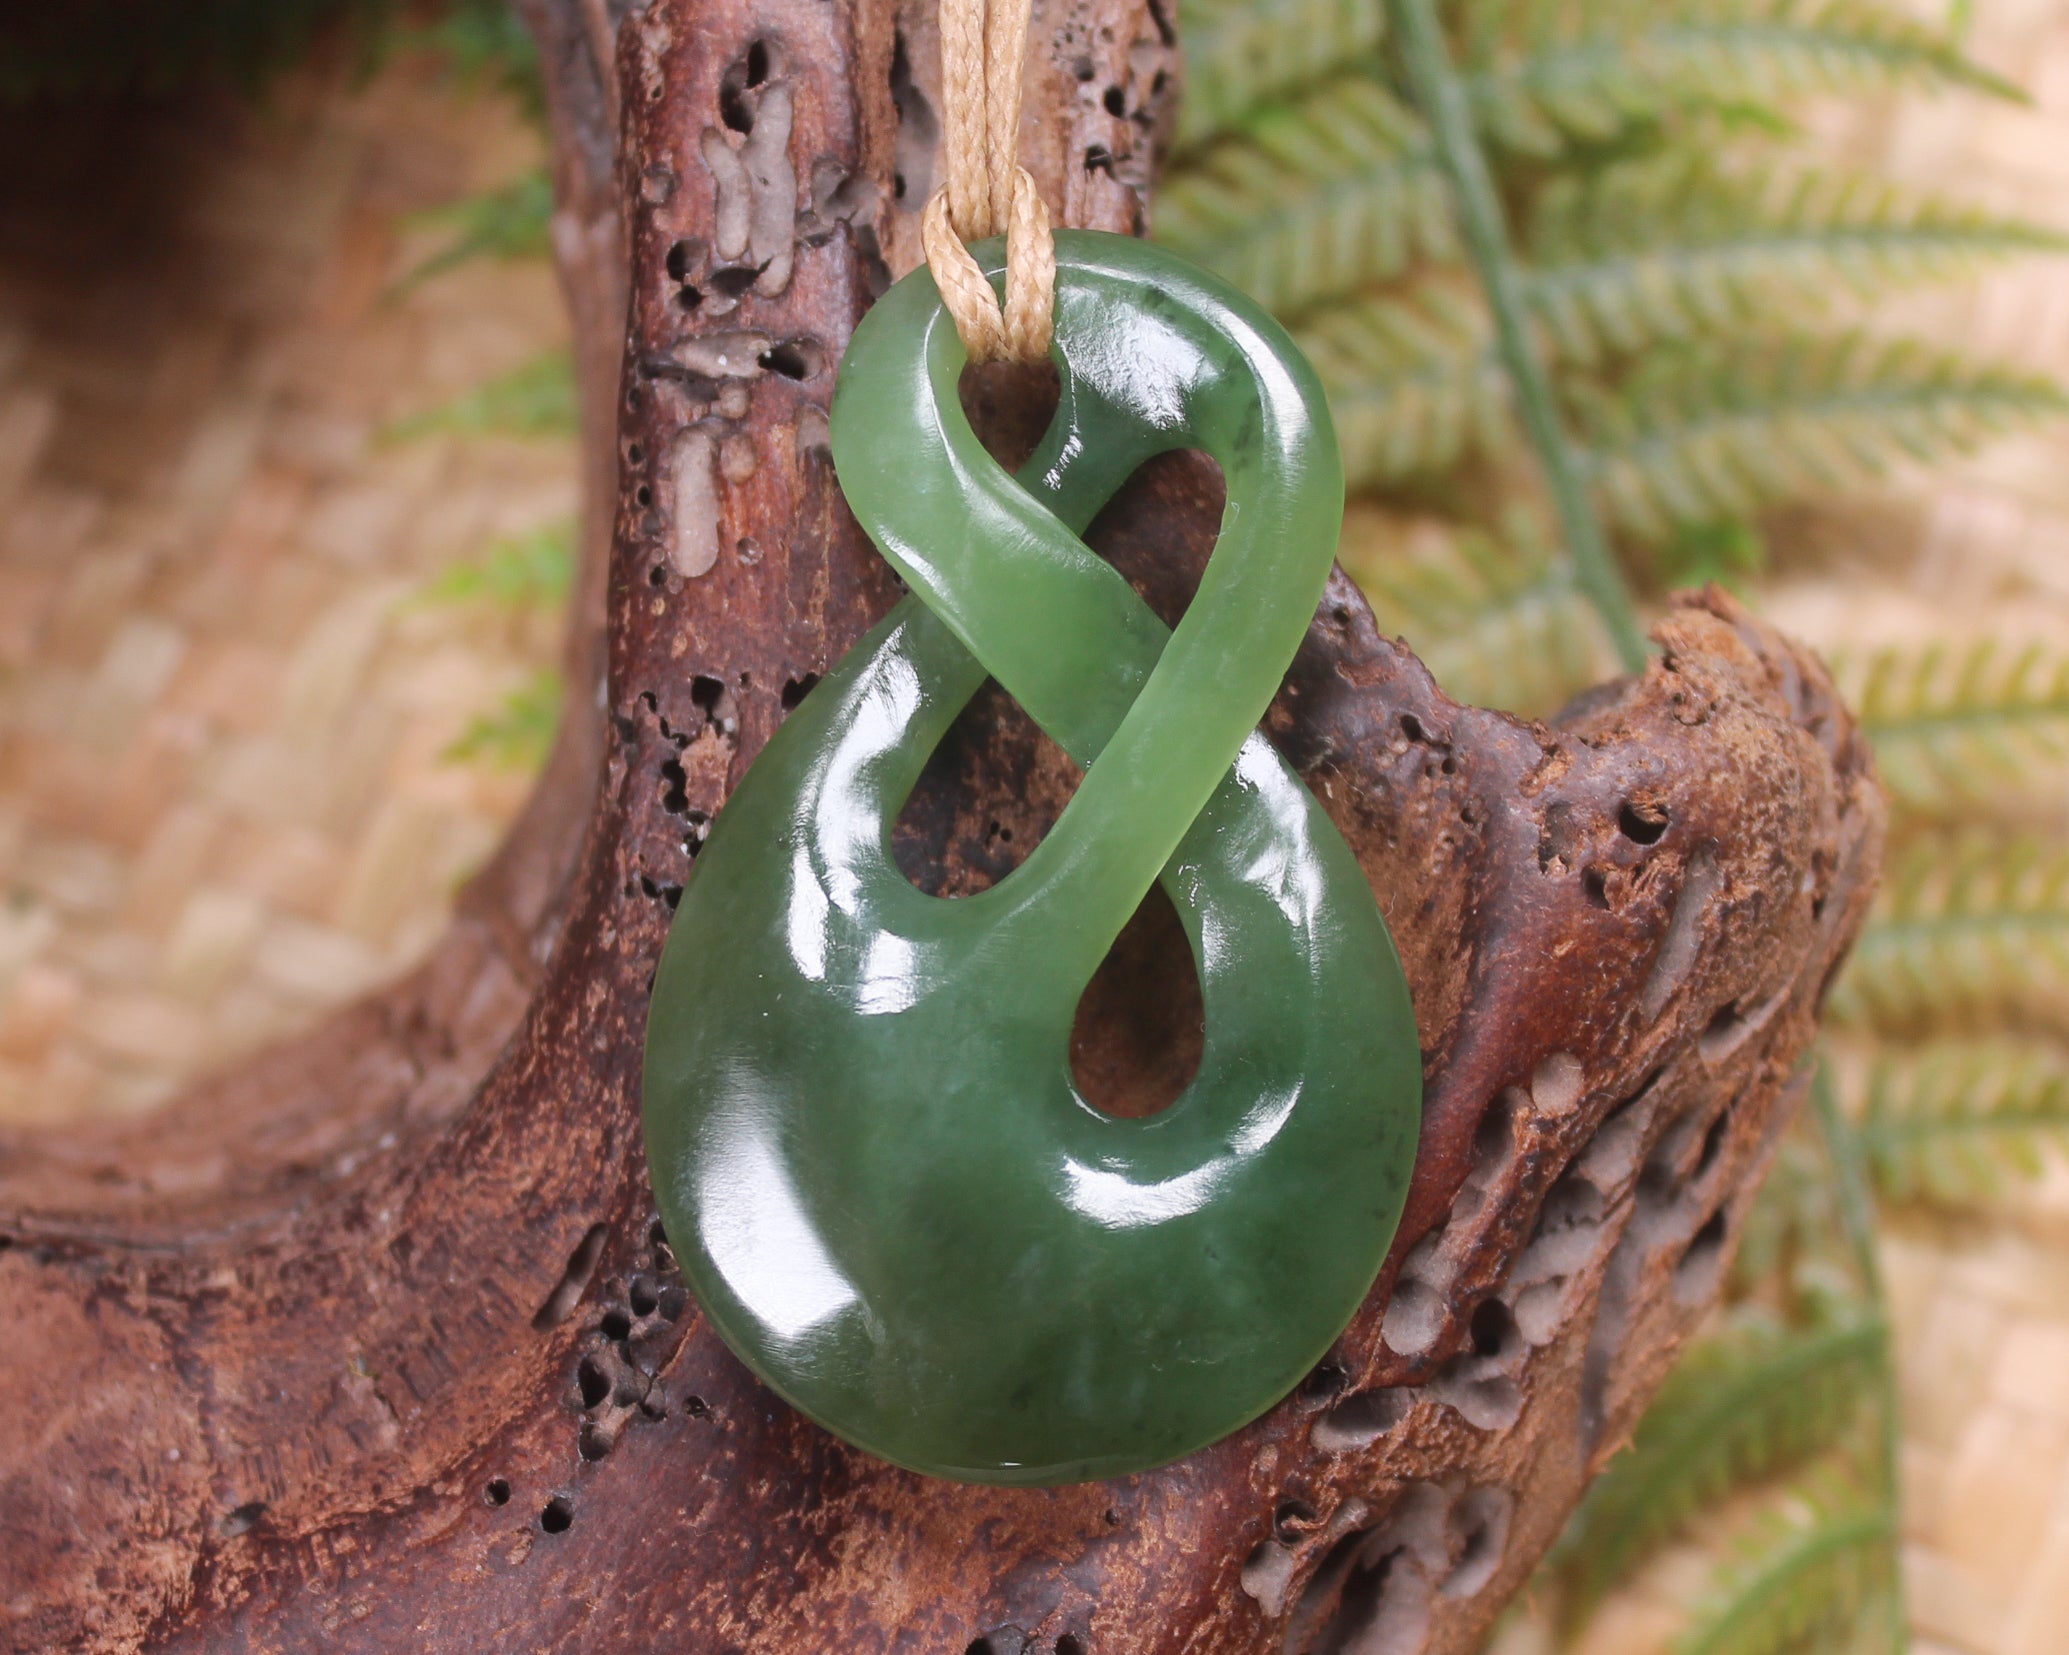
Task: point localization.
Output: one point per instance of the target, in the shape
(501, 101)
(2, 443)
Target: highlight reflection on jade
(865, 1139)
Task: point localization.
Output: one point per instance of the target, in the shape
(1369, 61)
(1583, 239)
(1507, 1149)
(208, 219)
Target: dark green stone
(865, 1140)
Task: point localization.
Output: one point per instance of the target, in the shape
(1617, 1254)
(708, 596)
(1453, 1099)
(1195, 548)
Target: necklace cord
(983, 50)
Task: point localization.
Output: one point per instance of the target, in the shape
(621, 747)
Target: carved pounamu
(374, 1344)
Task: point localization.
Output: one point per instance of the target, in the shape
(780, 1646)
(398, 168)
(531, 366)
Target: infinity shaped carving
(866, 1143)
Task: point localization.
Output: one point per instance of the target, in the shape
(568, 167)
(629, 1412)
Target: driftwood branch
(375, 1345)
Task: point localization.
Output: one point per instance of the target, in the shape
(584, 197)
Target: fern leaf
(1498, 622)
(518, 734)
(1675, 246)
(483, 44)
(534, 399)
(1950, 1120)
(1413, 382)
(1971, 935)
(1698, 435)
(84, 51)
(1543, 76)
(1794, 1241)
(507, 223)
(1739, 1409)
(1312, 201)
(1956, 727)
(527, 571)
(1817, 1581)
(1241, 53)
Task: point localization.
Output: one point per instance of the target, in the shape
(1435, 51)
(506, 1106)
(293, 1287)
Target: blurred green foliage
(1698, 288)
(523, 575)
(511, 221)
(527, 571)
(534, 399)
(103, 48)
(518, 732)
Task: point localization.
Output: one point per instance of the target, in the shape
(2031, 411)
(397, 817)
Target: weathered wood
(375, 1346)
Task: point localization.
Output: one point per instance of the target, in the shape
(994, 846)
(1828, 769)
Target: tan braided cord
(983, 48)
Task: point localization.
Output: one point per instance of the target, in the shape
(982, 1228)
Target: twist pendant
(866, 1144)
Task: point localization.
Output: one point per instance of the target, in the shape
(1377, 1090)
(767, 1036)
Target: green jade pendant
(866, 1144)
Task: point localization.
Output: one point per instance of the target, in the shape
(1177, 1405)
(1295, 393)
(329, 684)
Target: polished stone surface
(866, 1143)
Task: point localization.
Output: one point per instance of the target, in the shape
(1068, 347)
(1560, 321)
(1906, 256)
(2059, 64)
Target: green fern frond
(1817, 1580)
(1312, 200)
(1739, 1409)
(1413, 382)
(1499, 623)
(484, 44)
(508, 223)
(1951, 1120)
(526, 571)
(1240, 53)
(1675, 246)
(98, 48)
(1971, 934)
(1954, 727)
(534, 399)
(1697, 435)
(1793, 1246)
(519, 733)
(1541, 76)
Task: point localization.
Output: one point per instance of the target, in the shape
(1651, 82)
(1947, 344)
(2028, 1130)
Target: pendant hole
(989, 792)
(1160, 527)
(1009, 406)
(1142, 1023)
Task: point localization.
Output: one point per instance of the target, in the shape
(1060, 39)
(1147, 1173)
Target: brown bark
(376, 1346)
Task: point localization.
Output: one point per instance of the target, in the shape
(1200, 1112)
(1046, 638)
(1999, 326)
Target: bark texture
(376, 1345)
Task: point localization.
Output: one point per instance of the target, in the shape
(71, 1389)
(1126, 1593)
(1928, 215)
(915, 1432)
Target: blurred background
(286, 497)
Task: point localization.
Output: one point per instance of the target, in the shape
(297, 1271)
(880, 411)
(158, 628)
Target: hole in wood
(684, 257)
(1324, 1383)
(1641, 821)
(1293, 1519)
(1697, 1272)
(799, 358)
(731, 281)
(1492, 1326)
(1361, 1420)
(574, 1280)
(1713, 1141)
(241, 1519)
(745, 74)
